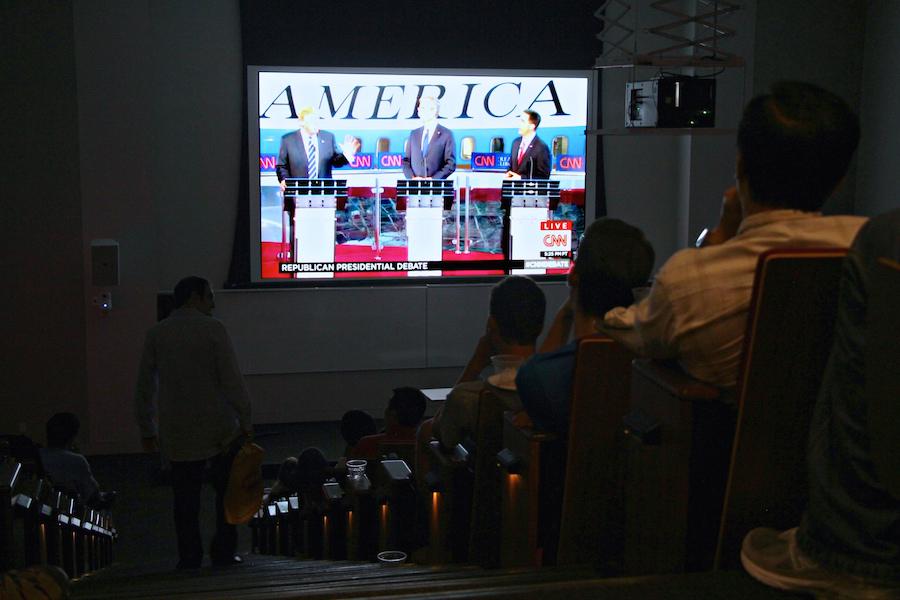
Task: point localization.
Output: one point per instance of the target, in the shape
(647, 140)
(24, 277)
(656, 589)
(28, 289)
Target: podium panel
(526, 237)
(315, 238)
(424, 231)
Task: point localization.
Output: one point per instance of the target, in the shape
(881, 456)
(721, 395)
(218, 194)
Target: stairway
(266, 577)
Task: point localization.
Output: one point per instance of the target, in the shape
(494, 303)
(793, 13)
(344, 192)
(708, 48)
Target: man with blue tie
(430, 152)
(530, 156)
(310, 152)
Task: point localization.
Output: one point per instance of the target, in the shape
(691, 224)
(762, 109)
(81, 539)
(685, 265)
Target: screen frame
(254, 192)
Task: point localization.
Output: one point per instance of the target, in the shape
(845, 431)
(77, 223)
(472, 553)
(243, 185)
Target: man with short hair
(430, 151)
(201, 415)
(67, 468)
(311, 152)
(515, 320)
(794, 148)
(401, 418)
(613, 258)
(530, 156)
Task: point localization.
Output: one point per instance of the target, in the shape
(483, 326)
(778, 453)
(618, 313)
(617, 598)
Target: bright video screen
(371, 175)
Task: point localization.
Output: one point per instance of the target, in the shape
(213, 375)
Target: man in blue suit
(530, 156)
(309, 141)
(430, 152)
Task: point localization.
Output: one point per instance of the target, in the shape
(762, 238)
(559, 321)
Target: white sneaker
(775, 559)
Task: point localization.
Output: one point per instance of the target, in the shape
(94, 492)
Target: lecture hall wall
(102, 89)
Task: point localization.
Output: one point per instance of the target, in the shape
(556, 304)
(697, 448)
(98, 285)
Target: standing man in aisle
(311, 152)
(201, 416)
(430, 152)
(530, 158)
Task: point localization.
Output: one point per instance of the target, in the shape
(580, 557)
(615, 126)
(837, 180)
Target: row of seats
(354, 521)
(659, 473)
(43, 526)
(639, 485)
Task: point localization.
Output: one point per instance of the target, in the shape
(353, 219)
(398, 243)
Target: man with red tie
(530, 158)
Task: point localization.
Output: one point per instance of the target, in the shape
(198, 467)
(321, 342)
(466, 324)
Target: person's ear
(738, 167)
(492, 327)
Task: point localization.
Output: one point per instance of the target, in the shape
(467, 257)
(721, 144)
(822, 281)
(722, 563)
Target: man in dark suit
(530, 158)
(430, 152)
(309, 140)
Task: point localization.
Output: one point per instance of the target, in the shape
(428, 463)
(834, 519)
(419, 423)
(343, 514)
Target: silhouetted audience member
(848, 541)
(613, 258)
(794, 148)
(191, 402)
(355, 425)
(515, 320)
(401, 418)
(67, 468)
(303, 475)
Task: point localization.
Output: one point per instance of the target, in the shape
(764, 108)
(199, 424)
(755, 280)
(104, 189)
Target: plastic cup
(394, 558)
(356, 469)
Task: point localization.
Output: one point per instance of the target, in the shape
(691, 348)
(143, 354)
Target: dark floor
(143, 508)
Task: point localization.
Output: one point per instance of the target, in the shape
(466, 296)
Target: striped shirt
(697, 308)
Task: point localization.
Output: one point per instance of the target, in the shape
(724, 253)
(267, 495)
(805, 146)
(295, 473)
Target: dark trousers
(187, 479)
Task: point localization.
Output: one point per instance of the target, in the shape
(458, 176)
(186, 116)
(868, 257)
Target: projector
(677, 101)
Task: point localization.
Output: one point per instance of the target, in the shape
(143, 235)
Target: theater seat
(562, 500)
(687, 439)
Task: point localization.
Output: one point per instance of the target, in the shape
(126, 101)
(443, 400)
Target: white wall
(42, 332)
(819, 42)
(671, 185)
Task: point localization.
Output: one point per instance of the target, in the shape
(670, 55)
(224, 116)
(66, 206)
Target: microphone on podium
(530, 167)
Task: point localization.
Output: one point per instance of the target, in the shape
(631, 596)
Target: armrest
(520, 444)
(529, 433)
(396, 471)
(9, 475)
(673, 380)
(332, 492)
(456, 456)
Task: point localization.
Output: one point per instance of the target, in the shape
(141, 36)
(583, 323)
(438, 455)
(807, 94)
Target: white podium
(529, 206)
(525, 235)
(425, 220)
(315, 203)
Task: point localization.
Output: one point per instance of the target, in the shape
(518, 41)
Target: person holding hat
(613, 258)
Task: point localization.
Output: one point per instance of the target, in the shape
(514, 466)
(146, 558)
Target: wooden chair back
(463, 501)
(681, 431)
(563, 503)
(592, 521)
(405, 451)
(531, 471)
(883, 372)
(790, 329)
(484, 529)
(447, 501)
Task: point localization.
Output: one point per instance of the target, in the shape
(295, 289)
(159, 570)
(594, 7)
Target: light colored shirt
(697, 308)
(306, 137)
(202, 402)
(428, 132)
(458, 416)
(70, 472)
